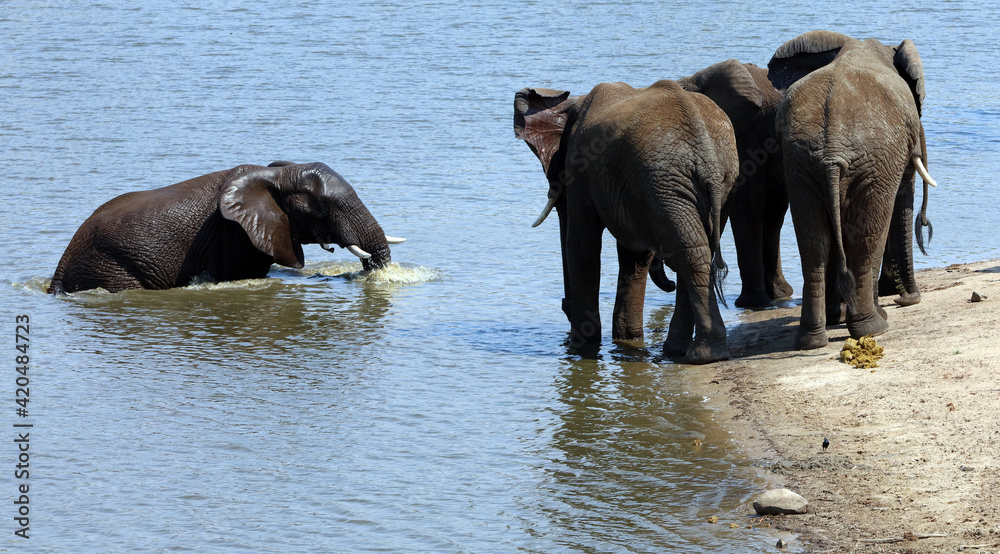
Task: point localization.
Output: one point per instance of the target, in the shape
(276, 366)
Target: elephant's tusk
(923, 171)
(545, 212)
(357, 251)
(394, 240)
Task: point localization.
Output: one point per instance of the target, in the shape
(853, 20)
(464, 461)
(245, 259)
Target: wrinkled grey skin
(226, 225)
(850, 129)
(653, 166)
(758, 200)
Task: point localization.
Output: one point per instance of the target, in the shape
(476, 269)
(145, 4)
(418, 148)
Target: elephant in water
(759, 200)
(225, 226)
(852, 140)
(653, 166)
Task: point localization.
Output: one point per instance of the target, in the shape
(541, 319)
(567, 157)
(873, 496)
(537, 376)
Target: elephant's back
(128, 238)
(847, 110)
(658, 118)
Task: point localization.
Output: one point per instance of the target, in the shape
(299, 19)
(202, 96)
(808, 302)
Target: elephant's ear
(802, 55)
(540, 117)
(911, 69)
(247, 200)
(731, 86)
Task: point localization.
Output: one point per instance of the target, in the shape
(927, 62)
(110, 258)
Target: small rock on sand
(780, 501)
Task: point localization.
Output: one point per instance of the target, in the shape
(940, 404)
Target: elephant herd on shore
(830, 129)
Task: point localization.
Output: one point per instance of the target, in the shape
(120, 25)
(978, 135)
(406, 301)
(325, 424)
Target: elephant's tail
(719, 269)
(922, 221)
(846, 282)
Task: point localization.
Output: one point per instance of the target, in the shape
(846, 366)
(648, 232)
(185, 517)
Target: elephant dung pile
(863, 353)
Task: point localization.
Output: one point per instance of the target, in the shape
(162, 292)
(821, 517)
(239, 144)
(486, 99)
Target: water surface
(435, 408)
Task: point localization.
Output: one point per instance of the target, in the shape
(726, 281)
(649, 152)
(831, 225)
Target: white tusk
(545, 212)
(394, 240)
(357, 251)
(923, 171)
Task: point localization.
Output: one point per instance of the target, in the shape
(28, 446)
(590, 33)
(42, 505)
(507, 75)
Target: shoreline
(914, 456)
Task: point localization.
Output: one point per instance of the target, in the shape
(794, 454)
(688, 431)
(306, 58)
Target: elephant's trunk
(376, 244)
(380, 257)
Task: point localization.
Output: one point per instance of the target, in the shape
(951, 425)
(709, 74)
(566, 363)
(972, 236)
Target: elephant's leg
(681, 328)
(836, 310)
(563, 227)
(748, 236)
(746, 211)
(813, 236)
(709, 330)
(774, 217)
(869, 215)
(699, 306)
(583, 267)
(865, 318)
(897, 275)
(878, 308)
(632, 271)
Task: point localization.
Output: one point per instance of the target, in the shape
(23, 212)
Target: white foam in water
(392, 274)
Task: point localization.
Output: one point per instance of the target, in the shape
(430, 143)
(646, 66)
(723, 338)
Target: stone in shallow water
(780, 501)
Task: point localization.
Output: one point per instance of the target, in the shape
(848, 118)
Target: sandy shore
(914, 457)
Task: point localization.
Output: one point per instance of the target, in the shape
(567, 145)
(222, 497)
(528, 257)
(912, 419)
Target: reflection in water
(623, 462)
(249, 321)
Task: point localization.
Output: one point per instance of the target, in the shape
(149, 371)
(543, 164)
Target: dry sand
(914, 457)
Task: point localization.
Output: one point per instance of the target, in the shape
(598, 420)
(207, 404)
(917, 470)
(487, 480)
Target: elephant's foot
(873, 325)
(780, 289)
(809, 340)
(675, 349)
(908, 299)
(706, 352)
(753, 299)
(626, 334)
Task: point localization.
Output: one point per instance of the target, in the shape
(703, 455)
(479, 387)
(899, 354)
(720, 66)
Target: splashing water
(392, 274)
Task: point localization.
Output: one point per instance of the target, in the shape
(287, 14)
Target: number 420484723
(21, 343)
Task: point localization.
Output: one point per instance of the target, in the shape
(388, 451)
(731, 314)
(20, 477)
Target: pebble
(780, 501)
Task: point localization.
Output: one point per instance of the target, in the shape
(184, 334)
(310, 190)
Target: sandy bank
(914, 457)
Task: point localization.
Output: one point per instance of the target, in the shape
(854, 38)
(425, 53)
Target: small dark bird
(826, 443)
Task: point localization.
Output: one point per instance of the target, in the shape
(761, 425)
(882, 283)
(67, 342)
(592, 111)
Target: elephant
(759, 199)
(851, 140)
(227, 225)
(653, 166)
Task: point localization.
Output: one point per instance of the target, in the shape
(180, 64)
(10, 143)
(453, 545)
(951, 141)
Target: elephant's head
(541, 117)
(736, 88)
(810, 51)
(283, 206)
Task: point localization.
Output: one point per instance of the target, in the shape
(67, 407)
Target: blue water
(436, 409)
